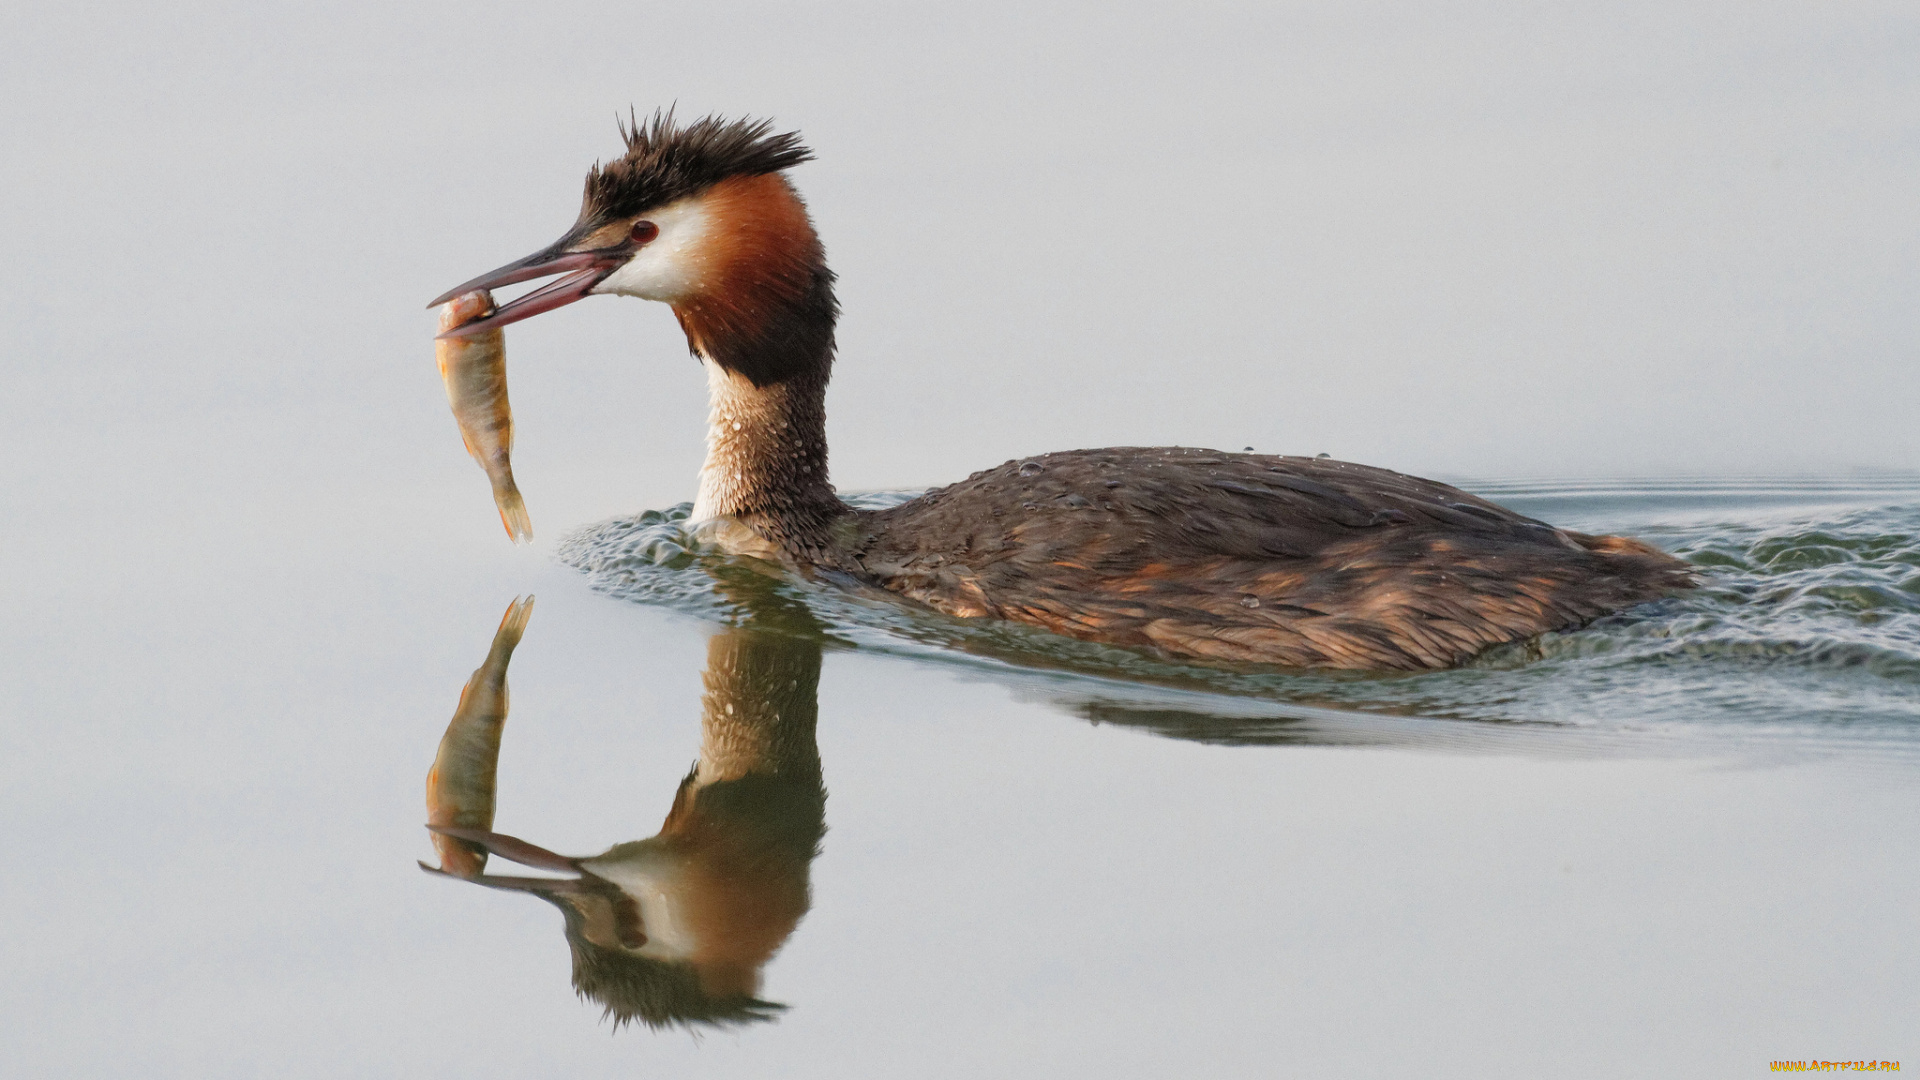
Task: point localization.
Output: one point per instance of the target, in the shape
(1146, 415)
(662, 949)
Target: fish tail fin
(513, 513)
(514, 623)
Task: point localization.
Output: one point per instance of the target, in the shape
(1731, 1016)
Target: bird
(675, 928)
(1190, 554)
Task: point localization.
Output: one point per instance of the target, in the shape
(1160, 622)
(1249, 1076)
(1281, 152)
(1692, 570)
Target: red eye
(644, 231)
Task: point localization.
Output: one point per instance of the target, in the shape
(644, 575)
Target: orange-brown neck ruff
(764, 305)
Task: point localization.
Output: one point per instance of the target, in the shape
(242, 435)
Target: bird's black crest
(665, 162)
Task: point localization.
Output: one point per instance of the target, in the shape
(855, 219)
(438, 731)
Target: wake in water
(1807, 623)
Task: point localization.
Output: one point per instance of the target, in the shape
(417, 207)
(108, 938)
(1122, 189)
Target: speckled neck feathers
(762, 323)
(767, 457)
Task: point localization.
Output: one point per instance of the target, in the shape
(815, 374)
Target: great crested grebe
(676, 928)
(1196, 553)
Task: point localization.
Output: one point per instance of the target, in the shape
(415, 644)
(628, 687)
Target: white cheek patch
(654, 879)
(673, 263)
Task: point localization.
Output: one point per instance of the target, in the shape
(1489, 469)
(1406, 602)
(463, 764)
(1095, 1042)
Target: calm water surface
(844, 838)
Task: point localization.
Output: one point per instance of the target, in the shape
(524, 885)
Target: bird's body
(1296, 561)
(1249, 557)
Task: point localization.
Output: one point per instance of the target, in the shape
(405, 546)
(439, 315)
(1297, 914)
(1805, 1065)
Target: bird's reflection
(675, 928)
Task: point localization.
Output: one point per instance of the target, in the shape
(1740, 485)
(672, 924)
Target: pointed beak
(583, 270)
(511, 848)
(544, 886)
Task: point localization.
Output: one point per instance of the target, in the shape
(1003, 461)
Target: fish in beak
(511, 848)
(584, 269)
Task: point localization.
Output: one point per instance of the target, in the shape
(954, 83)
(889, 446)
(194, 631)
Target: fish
(460, 785)
(475, 371)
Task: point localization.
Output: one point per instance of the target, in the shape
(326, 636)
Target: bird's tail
(1652, 567)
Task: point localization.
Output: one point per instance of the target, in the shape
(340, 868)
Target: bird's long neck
(762, 322)
(760, 708)
(767, 454)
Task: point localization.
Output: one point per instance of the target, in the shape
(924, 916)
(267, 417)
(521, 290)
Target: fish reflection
(673, 929)
(460, 784)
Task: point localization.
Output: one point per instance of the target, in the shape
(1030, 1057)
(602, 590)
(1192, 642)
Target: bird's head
(699, 217)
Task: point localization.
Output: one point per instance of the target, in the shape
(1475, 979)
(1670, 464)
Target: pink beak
(584, 270)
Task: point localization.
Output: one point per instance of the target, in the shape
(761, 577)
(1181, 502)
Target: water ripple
(1807, 622)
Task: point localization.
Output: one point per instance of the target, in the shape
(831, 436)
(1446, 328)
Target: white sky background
(1460, 239)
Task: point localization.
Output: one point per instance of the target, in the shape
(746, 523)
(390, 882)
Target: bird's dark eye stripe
(644, 231)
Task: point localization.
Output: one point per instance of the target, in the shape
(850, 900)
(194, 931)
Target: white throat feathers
(766, 447)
